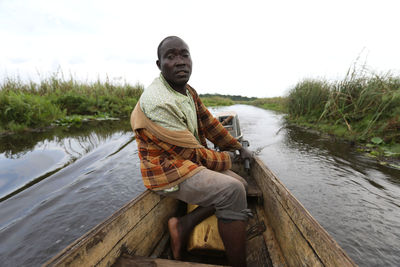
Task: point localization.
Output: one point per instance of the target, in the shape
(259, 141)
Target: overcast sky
(251, 48)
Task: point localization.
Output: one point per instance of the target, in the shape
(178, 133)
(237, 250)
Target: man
(171, 125)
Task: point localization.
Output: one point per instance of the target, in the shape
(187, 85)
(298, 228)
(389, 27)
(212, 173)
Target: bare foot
(176, 242)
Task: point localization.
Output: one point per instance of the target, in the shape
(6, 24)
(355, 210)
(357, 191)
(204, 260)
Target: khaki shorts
(225, 191)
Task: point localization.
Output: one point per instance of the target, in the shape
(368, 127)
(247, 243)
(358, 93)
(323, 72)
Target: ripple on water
(356, 200)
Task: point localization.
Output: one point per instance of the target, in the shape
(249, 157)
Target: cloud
(260, 48)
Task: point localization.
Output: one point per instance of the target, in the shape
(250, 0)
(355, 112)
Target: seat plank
(253, 190)
(127, 260)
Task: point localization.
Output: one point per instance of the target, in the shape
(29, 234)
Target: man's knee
(237, 177)
(234, 195)
(238, 189)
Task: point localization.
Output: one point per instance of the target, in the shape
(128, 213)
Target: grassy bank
(212, 100)
(362, 107)
(274, 103)
(27, 105)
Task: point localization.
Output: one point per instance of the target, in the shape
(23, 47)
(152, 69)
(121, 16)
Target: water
(99, 173)
(79, 177)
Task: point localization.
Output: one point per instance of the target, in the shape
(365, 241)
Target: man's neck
(176, 87)
(180, 89)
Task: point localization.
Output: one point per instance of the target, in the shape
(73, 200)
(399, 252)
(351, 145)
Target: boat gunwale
(310, 229)
(86, 238)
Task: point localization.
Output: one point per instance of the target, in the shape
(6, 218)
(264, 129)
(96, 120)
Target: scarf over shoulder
(168, 157)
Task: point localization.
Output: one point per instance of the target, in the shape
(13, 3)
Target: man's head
(174, 61)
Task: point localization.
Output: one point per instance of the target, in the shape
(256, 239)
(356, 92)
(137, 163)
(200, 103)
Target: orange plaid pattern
(164, 165)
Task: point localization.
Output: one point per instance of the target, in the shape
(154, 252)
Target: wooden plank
(302, 239)
(137, 261)
(145, 235)
(256, 250)
(253, 190)
(158, 250)
(91, 248)
(273, 247)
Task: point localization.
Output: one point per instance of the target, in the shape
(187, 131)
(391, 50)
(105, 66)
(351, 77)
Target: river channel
(57, 185)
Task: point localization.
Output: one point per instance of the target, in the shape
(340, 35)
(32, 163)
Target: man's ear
(158, 64)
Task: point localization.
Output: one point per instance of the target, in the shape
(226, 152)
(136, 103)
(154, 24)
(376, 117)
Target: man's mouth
(182, 72)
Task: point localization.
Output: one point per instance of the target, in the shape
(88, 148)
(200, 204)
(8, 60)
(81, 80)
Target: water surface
(79, 177)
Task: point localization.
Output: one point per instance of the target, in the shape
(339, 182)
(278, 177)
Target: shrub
(26, 109)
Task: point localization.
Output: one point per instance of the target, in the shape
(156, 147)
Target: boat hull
(292, 237)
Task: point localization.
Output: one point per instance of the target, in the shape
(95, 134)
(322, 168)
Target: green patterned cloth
(168, 108)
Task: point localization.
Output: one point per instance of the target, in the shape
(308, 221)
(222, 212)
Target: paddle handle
(247, 164)
(246, 144)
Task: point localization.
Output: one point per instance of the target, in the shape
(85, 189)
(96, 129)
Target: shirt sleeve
(211, 159)
(214, 130)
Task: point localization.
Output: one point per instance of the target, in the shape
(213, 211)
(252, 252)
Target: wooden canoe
(137, 235)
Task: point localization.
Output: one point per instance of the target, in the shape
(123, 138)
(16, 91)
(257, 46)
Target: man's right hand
(245, 153)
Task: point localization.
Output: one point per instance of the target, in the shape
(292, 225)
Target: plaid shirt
(164, 165)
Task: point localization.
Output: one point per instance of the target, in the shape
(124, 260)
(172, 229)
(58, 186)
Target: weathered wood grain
(274, 250)
(292, 236)
(301, 238)
(256, 250)
(137, 261)
(96, 246)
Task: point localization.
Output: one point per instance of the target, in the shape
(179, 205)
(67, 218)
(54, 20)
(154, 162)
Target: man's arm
(213, 160)
(213, 129)
(216, 132)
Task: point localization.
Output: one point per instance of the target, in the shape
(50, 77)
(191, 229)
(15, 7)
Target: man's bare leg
(233, 235)
(180, 228)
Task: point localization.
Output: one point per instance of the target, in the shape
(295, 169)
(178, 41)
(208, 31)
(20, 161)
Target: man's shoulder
(152, 88)
(156, 96)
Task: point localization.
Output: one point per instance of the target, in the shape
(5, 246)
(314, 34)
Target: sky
(249, 48)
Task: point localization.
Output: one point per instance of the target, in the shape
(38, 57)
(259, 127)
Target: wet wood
(136, 261)
(301, 238)
(146, 216)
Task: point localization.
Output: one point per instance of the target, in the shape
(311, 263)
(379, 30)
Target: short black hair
(162, 42)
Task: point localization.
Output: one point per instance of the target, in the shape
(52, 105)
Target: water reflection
(352, 196)
(26, 159)
(16, 145)
(355, 199)
(100, 174)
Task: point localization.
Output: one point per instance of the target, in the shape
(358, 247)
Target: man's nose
(180, 60)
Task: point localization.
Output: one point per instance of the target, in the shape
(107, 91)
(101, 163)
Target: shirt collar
(164, 81)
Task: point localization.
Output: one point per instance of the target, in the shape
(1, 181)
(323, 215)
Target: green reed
(37, 104)
(273, 103)
(366, 104)
(213, 101)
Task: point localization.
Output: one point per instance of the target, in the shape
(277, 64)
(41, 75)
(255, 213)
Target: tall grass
(273, 103)
(213, 101)
(366, 104)
(37, 104)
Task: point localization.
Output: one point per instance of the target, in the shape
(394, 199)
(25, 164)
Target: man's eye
(170, 56)
(186, 55)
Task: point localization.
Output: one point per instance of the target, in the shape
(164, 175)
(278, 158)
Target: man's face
(175, 62)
